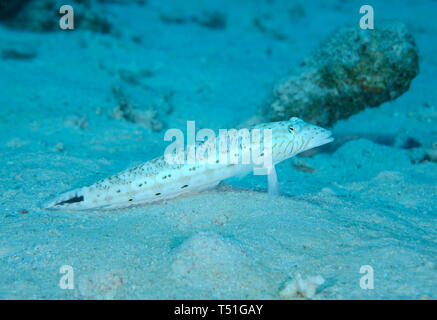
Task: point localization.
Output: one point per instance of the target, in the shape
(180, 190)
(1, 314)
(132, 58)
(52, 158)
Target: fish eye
(294, 128)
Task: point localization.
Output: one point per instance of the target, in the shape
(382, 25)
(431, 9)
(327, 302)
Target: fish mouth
(324, 139)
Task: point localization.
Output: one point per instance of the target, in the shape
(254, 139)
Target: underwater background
(80, 105)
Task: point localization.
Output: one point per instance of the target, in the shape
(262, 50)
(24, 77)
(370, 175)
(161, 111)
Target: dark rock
(411, 143)
(211, 19)
(260, 25)
(10, 8)
(351, 70)
(15, 54)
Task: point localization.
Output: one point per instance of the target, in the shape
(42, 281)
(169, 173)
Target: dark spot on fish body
(158, 193)
(71, 200)
(184, 186)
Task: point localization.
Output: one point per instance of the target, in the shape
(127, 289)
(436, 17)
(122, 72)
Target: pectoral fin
(272, 180)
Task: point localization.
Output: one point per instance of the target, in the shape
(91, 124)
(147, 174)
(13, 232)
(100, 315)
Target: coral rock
(351, 70)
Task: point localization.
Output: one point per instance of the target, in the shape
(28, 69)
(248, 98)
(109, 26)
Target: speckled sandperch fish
(158, 180)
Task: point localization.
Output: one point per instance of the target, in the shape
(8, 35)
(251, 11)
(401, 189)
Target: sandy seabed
(369, 199)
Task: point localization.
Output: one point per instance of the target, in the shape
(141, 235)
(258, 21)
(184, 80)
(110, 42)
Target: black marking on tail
(72, 200)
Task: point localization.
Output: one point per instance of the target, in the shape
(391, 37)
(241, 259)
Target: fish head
(295, 136)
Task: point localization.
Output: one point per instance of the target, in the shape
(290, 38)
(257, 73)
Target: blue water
(368, 201)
